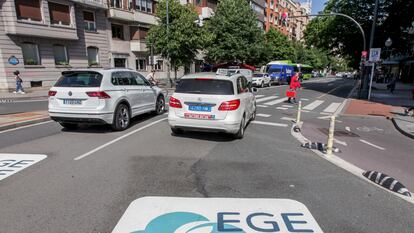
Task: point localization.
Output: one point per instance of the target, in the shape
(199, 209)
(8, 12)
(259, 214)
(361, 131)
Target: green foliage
(235, 35)
(183, 39)
(279, 46)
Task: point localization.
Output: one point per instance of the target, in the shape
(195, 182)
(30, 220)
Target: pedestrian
(391, 84)
(151, 77)
(19, 81)
(294, 85)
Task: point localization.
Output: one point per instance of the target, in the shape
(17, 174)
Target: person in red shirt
(294, 85)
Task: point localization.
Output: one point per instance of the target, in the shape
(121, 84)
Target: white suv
(210, 102)
(103, 96)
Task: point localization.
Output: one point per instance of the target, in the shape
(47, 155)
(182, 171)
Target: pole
(370, 82)
(298, 115)
(168, 52)
(329, 145)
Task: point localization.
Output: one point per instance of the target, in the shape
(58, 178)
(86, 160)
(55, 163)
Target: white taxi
(210, 102)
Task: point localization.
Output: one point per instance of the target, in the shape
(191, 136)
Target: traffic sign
(374, 54)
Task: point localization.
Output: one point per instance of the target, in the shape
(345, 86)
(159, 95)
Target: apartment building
(41, 38)
(129, 23)
(279, 10)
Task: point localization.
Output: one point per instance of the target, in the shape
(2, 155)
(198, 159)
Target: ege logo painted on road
(215, 215)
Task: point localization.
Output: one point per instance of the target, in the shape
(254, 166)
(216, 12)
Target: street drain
(339, 133)
(387, 182)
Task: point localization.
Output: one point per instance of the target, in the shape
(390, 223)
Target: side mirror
(255, 90)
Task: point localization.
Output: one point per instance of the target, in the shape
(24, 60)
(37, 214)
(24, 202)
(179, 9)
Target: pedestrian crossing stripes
(266, 99)
(278, 101)
(281, 108)
(287, 119)
(287, 106)
(332, 107)
(313, 105)
(269, 123)
(262, 106)
(263, 115)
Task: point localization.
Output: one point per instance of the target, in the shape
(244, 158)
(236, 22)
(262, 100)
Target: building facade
(278, 14)
(43, 38)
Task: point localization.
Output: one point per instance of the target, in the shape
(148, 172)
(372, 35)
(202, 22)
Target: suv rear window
(80, 79)
(205, 86)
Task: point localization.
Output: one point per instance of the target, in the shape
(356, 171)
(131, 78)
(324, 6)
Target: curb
(24, 123)
(347, 166)
(401, 130)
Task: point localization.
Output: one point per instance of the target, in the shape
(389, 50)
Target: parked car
(210, 102)
(261, 80)
(103, 96)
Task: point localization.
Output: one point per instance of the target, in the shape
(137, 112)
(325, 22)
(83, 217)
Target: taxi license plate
(72, 102)
(199, 108)
(199, 116)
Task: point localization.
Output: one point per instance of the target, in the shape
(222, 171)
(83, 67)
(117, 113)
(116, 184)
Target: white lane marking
(304, 99)
(274, 102)
(263, 115)
(340, 142)
(117, 139)
(332, 107)
(324, 117)
(269, 123)
(280, 108)
(325, 113)
(258, 96)
(348, 129)
(304, 111)
(13, 163)
(266, 99)
(371, 144)
(329, 92)
(313, 105)
(287, 119)
(23, 127)
(262, 106)
(287, 106)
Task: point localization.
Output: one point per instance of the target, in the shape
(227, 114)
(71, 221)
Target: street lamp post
(388, 44)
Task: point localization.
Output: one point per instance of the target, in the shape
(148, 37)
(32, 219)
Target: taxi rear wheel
(240, 133)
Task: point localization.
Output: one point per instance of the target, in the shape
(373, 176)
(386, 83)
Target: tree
(184, 38)
(279, 47)
(235, 35)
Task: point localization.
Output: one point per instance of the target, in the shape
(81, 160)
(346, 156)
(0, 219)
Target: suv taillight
(99, 94)
(52, 93)
(229, 105)
(175, 103)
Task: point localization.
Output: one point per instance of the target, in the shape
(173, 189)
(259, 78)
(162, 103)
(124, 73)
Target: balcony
(120, 46)
(120, 14)
(138, 46)
(40, 29)
(145, 18)
(93, 3)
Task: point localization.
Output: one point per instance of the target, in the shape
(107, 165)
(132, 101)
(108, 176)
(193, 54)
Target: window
(159, 64)
(79, 79)
(242, 85)
(116, 3)
(117, 31)
(144, 5)
(205, 86)
(61, 55)
(123, 79)
(30, 54)
(93, 57)
(59, 13)
(28, 9)
(89, 21)
(141, 80)
(141, 64)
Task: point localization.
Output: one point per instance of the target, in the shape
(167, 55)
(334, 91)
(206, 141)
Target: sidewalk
(21, 119)
(31, 93)
(385, 104)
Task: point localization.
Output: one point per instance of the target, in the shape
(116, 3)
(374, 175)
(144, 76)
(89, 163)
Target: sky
(317, 5)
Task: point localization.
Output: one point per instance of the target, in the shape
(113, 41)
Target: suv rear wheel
(122, 118)
(160, 105)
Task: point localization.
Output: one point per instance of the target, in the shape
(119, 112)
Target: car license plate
(72, 102)
(199, 108)
(199, 116)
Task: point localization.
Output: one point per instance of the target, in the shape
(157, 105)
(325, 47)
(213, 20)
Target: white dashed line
(117, 139)
(371, 144)
(280, 108)
(26, 126)
(263, 115)
(269, 123)
(287, 106)
(287, 119)
(262, 106)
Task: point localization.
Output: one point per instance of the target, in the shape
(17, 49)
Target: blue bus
(280, 71)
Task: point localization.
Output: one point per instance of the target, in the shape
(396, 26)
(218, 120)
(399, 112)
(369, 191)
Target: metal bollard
(329, 145)
(298, 115)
